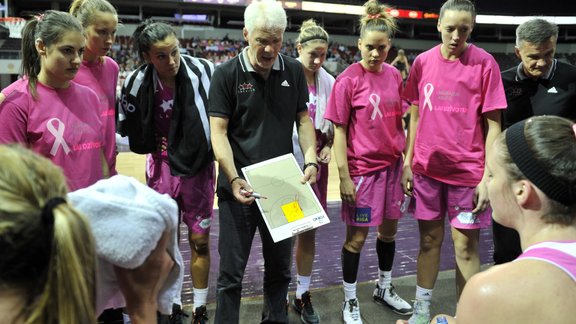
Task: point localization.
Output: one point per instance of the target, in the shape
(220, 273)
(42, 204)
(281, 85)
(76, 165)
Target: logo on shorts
(246, 87)
(204, 224)
(363, 215)
(465, 215)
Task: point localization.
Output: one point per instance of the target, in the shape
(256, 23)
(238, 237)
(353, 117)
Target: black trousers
(238, 224)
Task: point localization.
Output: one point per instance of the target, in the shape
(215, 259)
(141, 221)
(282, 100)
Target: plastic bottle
(405, 203)
(441, 320)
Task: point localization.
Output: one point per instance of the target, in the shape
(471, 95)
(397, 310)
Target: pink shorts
(193, 194)
(378, 197)
(434, 199)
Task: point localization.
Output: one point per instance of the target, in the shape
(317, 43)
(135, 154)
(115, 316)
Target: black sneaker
(200, 315)
(304, 307)
(178, 316)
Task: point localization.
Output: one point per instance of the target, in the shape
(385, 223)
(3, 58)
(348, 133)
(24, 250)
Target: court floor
(329, 240)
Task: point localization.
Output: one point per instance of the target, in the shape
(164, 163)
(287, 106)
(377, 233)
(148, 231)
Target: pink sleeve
(493, 96)
(13, 120)
(339, 104)
(410, 92)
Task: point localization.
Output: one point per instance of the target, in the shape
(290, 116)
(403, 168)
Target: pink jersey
(369, 104)
(559, 254)
(163, 103)
(61, 125)
(102, 78)
(452, 96)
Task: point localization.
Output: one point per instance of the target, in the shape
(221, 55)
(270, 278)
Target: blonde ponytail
(47, 254)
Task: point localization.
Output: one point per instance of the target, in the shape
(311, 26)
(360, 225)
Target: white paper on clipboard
(291, 207)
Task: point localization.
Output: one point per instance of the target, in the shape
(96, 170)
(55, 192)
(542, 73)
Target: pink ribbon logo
(375, 101)
(428, 90)
(58, 133)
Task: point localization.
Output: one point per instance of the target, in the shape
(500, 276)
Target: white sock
(384, 279)
(126, 318)
(302, 285)
(423, 293)
(200, 296)
(349, 290)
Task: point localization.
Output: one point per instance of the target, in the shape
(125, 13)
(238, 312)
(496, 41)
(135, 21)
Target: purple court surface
(327, 269)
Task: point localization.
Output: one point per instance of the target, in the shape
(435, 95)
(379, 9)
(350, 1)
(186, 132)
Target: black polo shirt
(553, 94)
(261, 113)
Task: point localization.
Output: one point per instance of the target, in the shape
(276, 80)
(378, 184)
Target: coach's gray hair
(267, 14)
(535, 31)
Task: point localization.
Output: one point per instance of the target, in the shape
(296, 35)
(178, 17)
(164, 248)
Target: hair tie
(48, 210)
(376, 16)
(39, 17)
(522, 155)
(574, 129)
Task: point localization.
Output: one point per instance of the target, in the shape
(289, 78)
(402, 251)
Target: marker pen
(253, 194)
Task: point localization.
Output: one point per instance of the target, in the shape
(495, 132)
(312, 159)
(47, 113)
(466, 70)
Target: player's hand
(407, 180)
(481, 201)
(347, 191)
(324, 156)
(141, 286)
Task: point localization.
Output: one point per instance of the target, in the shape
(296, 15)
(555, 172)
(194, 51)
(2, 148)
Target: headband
(313, 37)
(521, 154)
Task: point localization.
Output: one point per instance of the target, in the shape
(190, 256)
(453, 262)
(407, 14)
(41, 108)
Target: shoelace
(418, 308)
(395, 295)
(199, 318)
(176, 317)
(307, 304)
(353, 304)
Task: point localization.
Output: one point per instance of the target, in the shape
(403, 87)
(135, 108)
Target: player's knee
(201, 247)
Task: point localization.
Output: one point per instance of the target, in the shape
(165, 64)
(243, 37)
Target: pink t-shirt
(103, 79)
(61, 125)
(452, 96)
(370, 105)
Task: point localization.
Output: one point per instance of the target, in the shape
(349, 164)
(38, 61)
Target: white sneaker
(421, 313)
(351, 312)
(389, 298)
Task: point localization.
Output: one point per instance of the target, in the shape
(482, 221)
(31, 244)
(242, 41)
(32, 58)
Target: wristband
(234, 179)
(310, 164)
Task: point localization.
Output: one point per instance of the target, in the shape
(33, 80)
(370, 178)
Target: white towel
(127, 219)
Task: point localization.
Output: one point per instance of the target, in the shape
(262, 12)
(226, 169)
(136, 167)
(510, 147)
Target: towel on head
(127, 219)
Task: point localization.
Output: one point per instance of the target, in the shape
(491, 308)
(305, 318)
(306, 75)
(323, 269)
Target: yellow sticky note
(292, 211)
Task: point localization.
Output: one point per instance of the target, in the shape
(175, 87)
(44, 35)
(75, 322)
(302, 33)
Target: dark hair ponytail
(148, 33)
(49, 28)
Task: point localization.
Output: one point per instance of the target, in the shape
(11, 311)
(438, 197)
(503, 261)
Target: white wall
(9, 67)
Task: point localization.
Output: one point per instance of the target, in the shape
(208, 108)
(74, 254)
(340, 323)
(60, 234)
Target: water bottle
(441, 320)
(405, 203)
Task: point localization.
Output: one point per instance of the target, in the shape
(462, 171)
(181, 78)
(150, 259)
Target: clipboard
(291, 207)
